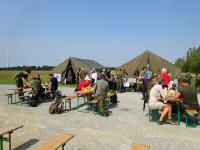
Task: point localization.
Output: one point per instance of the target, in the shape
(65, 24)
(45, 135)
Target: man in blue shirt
(145, 76)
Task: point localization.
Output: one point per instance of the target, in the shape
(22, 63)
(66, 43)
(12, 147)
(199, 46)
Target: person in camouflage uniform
(101, 89)
(189, 77)
(119, 81)
(197, 81)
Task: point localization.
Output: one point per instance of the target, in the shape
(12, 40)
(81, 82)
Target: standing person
(136, 73)
(108, 76)
(82, 74)
(158, 72)
(145, 77)
(69, 77)
(166, 77)
(197, 81)
(101, 89)
(78, 79)
(189, 77)
(22, 80)
(112, 81)
(53, 87)
(119, 81)
(94, 75)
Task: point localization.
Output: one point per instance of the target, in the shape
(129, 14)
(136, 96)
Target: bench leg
(179, 114)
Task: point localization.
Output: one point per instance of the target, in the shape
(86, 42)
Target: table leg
(11, 99)
(1, 143)
(70, 105)
(78, 103)
(63, 147)
(65, 104)
(8, 99)
(88, 100)
(15, 98)
(10, 141)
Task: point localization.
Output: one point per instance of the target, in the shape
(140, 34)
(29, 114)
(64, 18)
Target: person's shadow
(27, 144)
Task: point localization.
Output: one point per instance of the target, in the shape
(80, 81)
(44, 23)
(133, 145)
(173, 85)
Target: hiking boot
(170, 121)
(160, 122)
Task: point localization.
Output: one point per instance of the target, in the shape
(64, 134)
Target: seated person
(36, 85)
(37, 77)
(154, 102)
(188, 95)
(84, 84)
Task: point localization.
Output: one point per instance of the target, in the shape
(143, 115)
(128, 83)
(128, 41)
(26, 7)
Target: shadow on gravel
(125, 109)
(27, 145)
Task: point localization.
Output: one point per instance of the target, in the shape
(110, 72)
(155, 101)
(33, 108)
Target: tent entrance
(70, 74)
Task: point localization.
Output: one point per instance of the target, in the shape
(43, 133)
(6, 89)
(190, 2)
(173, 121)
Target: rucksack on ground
(57, 105)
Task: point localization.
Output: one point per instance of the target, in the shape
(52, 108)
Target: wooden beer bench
(68, 99)
(94, 103)
(140, 147)
(190, 119)
(25, 99)
(10, 97)
(57, 143)
(8, 129)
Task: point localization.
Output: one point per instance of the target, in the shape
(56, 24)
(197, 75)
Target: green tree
(180, 62)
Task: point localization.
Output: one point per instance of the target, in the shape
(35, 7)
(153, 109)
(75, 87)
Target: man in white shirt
(94, 75)
(156, 93)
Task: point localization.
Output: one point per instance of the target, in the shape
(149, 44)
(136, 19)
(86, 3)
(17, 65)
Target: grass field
(6, 77)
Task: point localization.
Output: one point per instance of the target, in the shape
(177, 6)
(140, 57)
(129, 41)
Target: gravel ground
(126, 125)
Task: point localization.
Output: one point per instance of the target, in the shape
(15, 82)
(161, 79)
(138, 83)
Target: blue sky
(44, 32)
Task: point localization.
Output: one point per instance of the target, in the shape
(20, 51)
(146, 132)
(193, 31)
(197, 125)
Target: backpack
(57, 105)
(34, 100)
(113, 99)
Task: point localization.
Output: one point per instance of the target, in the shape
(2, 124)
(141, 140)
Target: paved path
(125, 126)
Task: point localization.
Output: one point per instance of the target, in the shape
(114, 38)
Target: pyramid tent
(72, 64)
(149, 59)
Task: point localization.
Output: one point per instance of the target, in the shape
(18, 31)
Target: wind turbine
(7, 57)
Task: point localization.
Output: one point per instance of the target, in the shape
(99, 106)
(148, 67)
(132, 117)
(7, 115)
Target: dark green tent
(72, 64)
(151, 60)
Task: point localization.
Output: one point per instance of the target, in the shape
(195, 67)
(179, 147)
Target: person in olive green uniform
(188, 95)
(82, 74)
(37, 84)
(101, 88)
(189, 77)
(119, 81)
(22, 80)
(197, 81)
(70, 77)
